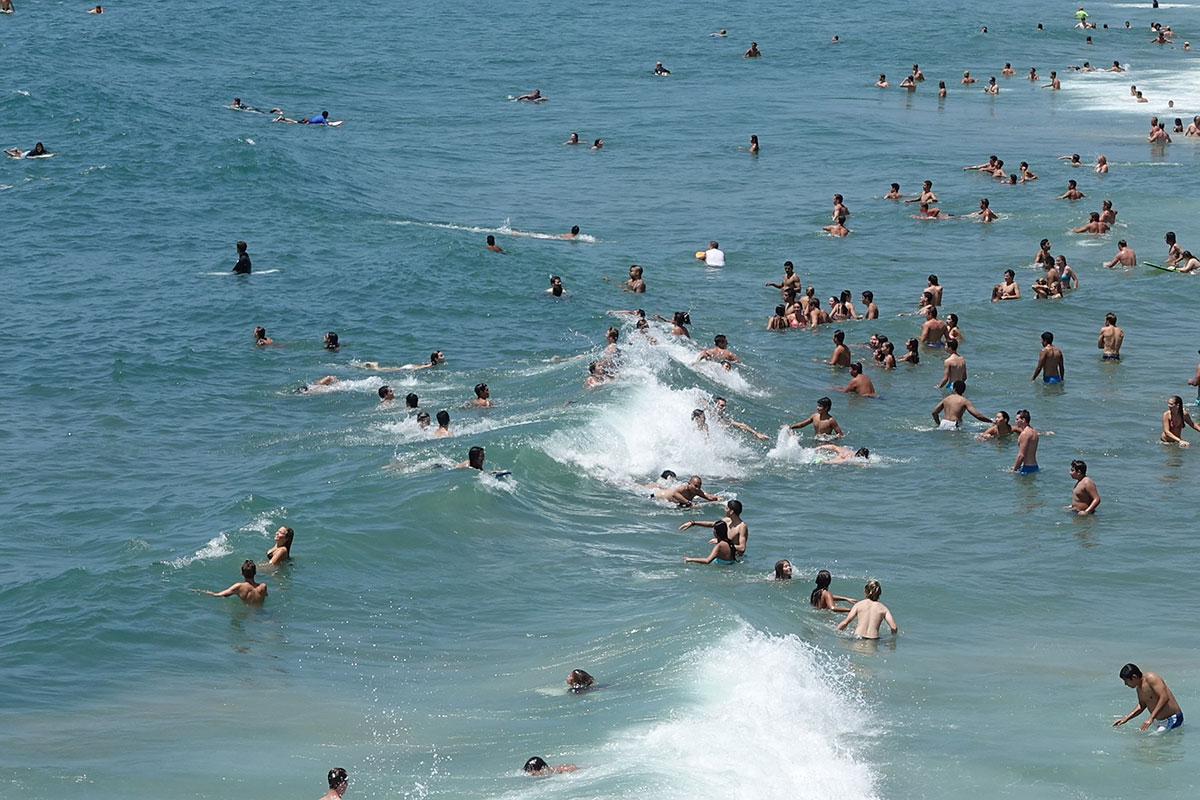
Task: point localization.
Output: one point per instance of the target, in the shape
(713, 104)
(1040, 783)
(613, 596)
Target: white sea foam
(263, 523)
(768, 717)
(504, 230)
(371, 384)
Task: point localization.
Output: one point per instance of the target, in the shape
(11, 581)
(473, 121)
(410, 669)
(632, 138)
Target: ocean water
(421, 635)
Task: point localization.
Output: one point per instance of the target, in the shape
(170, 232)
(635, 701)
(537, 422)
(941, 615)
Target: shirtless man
(954, 406)
(1125, 256)
(999, 429)
(1054, 82)
(250, 590)
(985, 212)
(917, 75)
(752, 51)
(926, 195)
(339, 779)
(934, 287)
(1159, 135)
(1110, 338)
(573, 232)
(823, 423)
(894, 193)
(1050, 361)
(635, 283)
(260, 337)
(533, 97)
(1085, 496)
(841, 353)
(685, 494)
(871, 311)
(483, 396)
(724, 420)
(1153, 695)
(1108, 214)
(1008, 290)
(790, 280)
(443, 428)
(882, 83)
(954, 368)
(1027, 442)
(738, 531)
(1008, 70)
(966, 78)
(870, 613)
(1033, 76)
(838, 228)
(1093, 225)
(839, 208)
(859, 384)
(491, 244)
(719, 351)
(1071, 193)
(436, 358)
(933, 332)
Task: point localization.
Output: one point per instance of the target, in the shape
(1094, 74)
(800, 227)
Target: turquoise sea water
(421, 636)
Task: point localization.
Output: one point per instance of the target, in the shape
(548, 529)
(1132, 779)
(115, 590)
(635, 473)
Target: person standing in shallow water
(242, 267)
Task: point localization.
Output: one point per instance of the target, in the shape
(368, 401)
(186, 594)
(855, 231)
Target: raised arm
(232, 590)
(699, 522)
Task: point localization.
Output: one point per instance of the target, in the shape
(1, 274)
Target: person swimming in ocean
(823, 598)
(659, 69)
(242, 267)
(491, 244)
(573, 233)
(685, 495)
(237, 103)
(260, 337)
(837, 454)
(1050, 361)
(783, 570)
(537, 767)
(999, 429)
(282, 549)
(737, 530)
(954, 405)
(533, 97)
(1174, 419)
(723, 551)
(248, 589)
(330, 341)
(556, 287)
(719, 352)
(1027, 442)
(338, 780)
(870, 613)
(436, 358)
(475, 455)
(579, 681)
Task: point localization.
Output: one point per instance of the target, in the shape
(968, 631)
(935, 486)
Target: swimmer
(985, 213)
(1173, 421)
(237, 101)
(999, 429)
(719, 34)
(954, 368)
(597, 375)
(574, 137)
(822, 598)
(1174, 251)
(7, 6)
(753, 52)
(328, 380)
(685, 494)
(533, 97)
(841, 353)
(991, 87)
(917, 75)
(635, 283)
(250, 590)
(926, 195)
(242, 267)
(538, 768)
(1033, 76)
(722, 552)
(1108, 214)
(911, 352)
(1159, 135)
(839, 208)
(483, 396)
(1050, 361)
(882, 83)
(436, 358)
(893, 193)
(579, 681)
(597, 145)
(1125, 256)
(779, 322)
(573, 232)
(719, 351)
(679, 322)
(38, 151)
(1154, 696)
(282, 550)
(1193, 128)
(475, 458)
(871, 311)
(790, 279)
(736, 528)
(556, 287)
(753, 144)
(1065, 273)
(966, 78)
(1116, 67)
(443, 428)
(933, 332)
(887, 357)
(1027, 174)
(838, 228)
(1093, 225)
(1110, 338)
(659, 69)
(491, 244)
(1054, 82)
(783, 570)
(724, 420)
(908, 83)
(870, 613)
(1085, 497)
(840, 454)
(822, 422)
(930, 213)
(1071, 193)
(835, 40)
(260, 337)
(1102, 162)
(1188, 262)
(1027, 443)
(411, 401)
(714, 256)
(954, 406)
(97, 10)
(1008, 70)
(386, 395)
(859, 383)
(700, 421)
(339, 779)
(282, 118)
(330, 341)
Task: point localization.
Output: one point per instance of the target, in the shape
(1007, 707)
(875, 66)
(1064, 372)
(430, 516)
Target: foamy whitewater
(422, 632)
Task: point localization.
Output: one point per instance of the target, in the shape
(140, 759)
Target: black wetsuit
(243, 265)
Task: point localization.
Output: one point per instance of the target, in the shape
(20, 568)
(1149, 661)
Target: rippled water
(422, 633)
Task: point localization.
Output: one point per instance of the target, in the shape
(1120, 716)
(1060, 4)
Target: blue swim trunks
(1051, 379)
(1026, 469)
(1173, 721)
(728, 563)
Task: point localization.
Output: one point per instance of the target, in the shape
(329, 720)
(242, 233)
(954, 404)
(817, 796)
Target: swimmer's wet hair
(443, 417)
(667, 474)
(336, 776)
(779, 576)
(735, 506)
(825, 402)
(1003, 414)
(1047, 337)
(873, 590)
(248, 569)
(862, 452)
(580, 679)
(411, 400)
(383, 391)
(959, 387)
(1079, 466)
(823, 580)
(475, 457)
(479, 387)
(1130, 671)
(535, 764)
